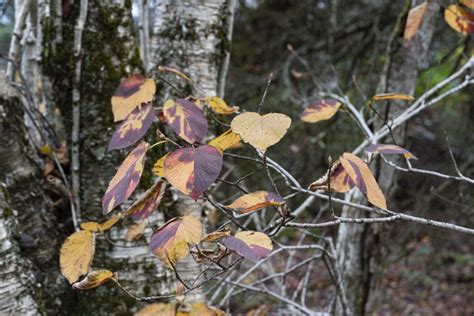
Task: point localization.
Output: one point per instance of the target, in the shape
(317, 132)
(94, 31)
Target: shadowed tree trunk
(361, 248)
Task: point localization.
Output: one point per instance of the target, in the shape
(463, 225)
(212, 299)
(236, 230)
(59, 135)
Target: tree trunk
(361, 248)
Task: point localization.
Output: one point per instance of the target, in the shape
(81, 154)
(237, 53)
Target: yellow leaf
(320, 110)
(392, 96)
(339, 181)
(219, 106)
(468, 3)
(96, 227)
(76, 255)
(261, 131)
(223, 232)
(459, 19)
(255, 201)
(159, 167)
(160, 309)
(45, 150)
(225, 141)
(135, 231)
(94, 279)
(415, 17)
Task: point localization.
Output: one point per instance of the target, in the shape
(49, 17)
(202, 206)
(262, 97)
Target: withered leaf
(255, 201)
(94, 279)
(76, 255)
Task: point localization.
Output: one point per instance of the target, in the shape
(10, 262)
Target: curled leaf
(261, 131)
(414, 19)
(170, 241)
(131, 92)
(159, 166)
(255, 201)
(186, 120)
(225, 140)
(193, 170)
(339, 181)
(148, 202)
(126, 179)
(392, 96)
(219, 106)
(76, 255)
(363, 179)
(459, 19)
(94, 279)
(135, 231)
(223, 232)
(133, 128)
(320, 110)
(388, 149)
(101, 227)
(249, 244)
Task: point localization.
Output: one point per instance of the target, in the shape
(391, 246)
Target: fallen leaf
(320, 110)
(261, 131)
(94, 279)
(131, 92)
(159, 167)
(219, 106)
(392, 96)
(76, 255)
(255, 201)
(459, 19)
(340, 180)
(126, 179)
(414, 19)
(225, 140)
(388, 149)
(101, 227)
(249, 244)
(135, 231)
(363, 179)
(170, 241)
(133, 128)
(193, 170)
(148, 202)
(186, 120)
(223, 232)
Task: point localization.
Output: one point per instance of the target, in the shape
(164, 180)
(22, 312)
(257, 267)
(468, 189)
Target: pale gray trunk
(361, 248)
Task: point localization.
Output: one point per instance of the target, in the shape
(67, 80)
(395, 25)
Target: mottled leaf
(459, 19)
(415, 17)
(126, 179)
(131, 92)
(76, 255)
(225, 140)
(223, 232)
(249, 244)
(363, 179)
(94, 279)
(320, 110)
(388, 149)
(340, 180)
(159, 167)
(219, 106)
(158, 309)
(392, 96)
(135, 231)
(133, 128)
(148, 202)
(101, 227)
(170, 241)
(261, 131)
(193, 170)
(255, 201)
(186, 120)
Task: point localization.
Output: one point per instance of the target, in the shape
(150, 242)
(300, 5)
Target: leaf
(363, 179)
(186, 120)
(46, 150)
(148, 202)
(225, 141)
(126, 179)
(249, 244)
(161, 309)
(94, 279)
(76, 255)
(133, 128)
(159, 167)
(459, 19)
(255, 201)
(170, 241)
(414, 19)
(223, 232)
(135, 231)
(468, 3)
(131, 92)
(199, 309)
(388, 149)
(392, 96)
(96, 227)
(261, 131)
(219, 106)
(340, 180)
(320, 110)
(193, 170)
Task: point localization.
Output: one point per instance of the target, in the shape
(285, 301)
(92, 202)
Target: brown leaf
(76, 255)
(135, 231)
(94, 279)
(158, 309)
(415, 17)
(223, 232)
(340, 180)
(320, 110)
(255, 201)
